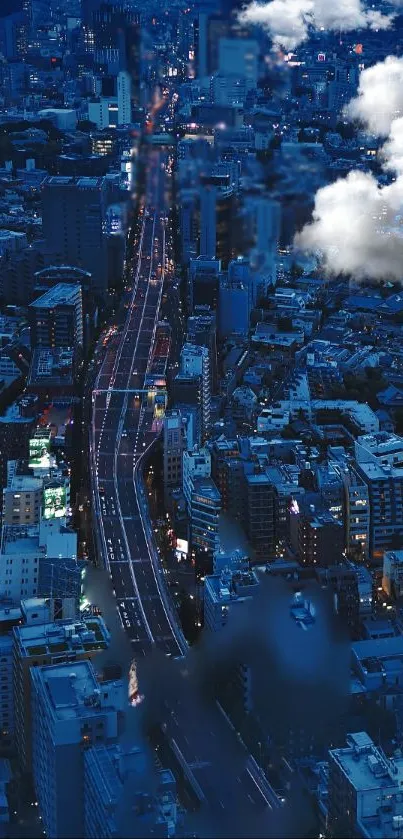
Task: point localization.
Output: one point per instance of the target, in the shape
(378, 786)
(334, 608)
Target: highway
(124, 427)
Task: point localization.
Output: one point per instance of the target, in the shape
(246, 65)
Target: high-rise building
(204, 279)
(235, 299)
(74, 223)
(37, 644)
(71, 711)
(260, 515)
(261, 220)
(173, 449)
(205, 509)
(202, 331)
(56, 318)
(218, 207)
(195, 363)
(124, 98)
(239, 57)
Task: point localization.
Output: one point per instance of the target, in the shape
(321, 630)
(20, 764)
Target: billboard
(182, 549)
(39, 456)
(55, 502)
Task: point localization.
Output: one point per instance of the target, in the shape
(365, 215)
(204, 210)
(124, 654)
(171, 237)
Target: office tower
(379, 459)
(48, 277)
(261, 220)
(74, 220)
(71, 711)
(204, 279)
(39, 643)
(116, 795)
(200, 43)
(259, 515)
(22, 500)
(239, 57)
(195, 364)
(235, 299)
(228, 90)
(124, 98)
(209, 27)
(202, 331)
(188, 228)
(205, 509)
(117, 42)
(173, 449)
(364, 790)
(56, 318)
(218, 208)
(131, 56)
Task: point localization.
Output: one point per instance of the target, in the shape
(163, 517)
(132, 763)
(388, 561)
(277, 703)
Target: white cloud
(380, 96)
(356, 229)
(391, 152)
(288, 21)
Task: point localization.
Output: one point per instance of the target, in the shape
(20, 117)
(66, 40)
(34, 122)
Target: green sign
(39, 452)
(55, 502)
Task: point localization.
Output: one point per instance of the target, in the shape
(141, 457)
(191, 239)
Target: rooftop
(61, 294)
(51, 366)
(73, 690)
(232, 585)
(366, 766)
(24, 483)
(205, 488)
(62, 636)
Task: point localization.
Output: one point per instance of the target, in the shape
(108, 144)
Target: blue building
(71, 711)
(117, 794)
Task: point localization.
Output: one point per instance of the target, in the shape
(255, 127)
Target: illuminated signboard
(39, 452)
(182, 549)
(55, 502)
